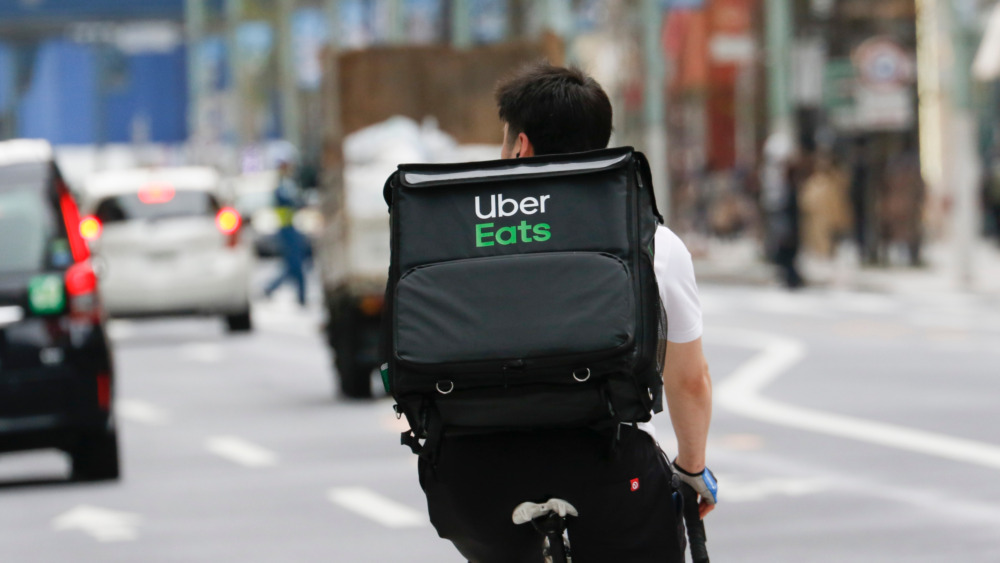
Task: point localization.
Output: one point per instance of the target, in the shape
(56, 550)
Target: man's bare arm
(688, 386)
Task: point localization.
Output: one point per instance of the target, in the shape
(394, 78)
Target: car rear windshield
(163, 205)
(32, 236)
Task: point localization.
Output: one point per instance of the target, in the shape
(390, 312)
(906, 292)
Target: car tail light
(81, 286)
(90, 228)
(228, 221)
(104, 391)
(71, 217)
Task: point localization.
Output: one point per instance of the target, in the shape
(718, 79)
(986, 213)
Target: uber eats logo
(488, 234)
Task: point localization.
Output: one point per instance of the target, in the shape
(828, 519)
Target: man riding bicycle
(624, 494)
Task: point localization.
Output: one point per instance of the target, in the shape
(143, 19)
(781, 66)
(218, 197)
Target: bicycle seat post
(549, 519)
(552, 527)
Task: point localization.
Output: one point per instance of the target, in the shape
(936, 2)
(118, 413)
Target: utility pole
(9, 89)
(331, 179)
(778, 19)
(558, 17)
(654, 108)
(194, 27)
(965, 161)
(397, 22)
(949, 156)
(461, 24)
(516, 18)
(240, 123)
(287, 65)
(333, 129)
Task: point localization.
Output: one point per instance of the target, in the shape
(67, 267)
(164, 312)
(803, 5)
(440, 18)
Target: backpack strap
(646, 178)
(387, 189)
(433, 429)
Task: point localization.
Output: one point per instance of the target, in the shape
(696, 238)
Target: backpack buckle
(449, 383)
(581, 375)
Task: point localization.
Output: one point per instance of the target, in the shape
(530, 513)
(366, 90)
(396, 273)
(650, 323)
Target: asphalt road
(848, 427)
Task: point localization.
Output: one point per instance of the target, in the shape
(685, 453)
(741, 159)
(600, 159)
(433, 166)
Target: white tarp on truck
(371, 155)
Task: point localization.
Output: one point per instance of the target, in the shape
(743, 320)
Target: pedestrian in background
(825, 207)
(991, 194)
(903, 206)
(288, 200)
(779, 199)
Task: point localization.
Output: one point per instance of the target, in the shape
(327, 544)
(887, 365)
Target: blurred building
(93, 72)
(841, 74)
(855, 91)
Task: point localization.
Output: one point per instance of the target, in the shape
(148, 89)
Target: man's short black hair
(560, 109)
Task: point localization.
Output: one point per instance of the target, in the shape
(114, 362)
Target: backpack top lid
(436, 175)
(576, 202)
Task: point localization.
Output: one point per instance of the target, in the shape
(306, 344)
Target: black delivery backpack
(521, 295)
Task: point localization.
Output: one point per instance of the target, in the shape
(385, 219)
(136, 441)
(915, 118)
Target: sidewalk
(741, 262)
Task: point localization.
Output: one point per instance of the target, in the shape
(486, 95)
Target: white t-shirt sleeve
(678, 289)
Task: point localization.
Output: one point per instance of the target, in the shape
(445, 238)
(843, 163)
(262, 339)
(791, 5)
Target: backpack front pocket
(509, 308)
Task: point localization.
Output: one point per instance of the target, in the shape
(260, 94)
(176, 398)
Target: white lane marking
(741, 393)
(240, 451)
(103, 524)
(120, 330)
(142, 412)
(205, 352)
(735, 490)
(371, 505)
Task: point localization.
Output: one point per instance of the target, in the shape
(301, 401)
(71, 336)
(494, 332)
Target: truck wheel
(240, 322)
(95, 457)
(355, 378)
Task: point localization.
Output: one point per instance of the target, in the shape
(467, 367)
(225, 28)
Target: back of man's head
(559, 109)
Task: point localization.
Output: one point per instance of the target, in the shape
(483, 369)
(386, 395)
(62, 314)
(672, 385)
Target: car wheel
(240, 322)
(95, 457)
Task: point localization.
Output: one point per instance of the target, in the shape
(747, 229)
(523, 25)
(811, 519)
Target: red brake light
(71, 216)
(228, 220)
(90, 228)
(104, 391)
(156, 193)
(80, 279)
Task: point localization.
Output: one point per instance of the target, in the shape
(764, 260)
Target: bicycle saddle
(528, 511)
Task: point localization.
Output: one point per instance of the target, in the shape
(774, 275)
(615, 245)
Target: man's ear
(527, 149)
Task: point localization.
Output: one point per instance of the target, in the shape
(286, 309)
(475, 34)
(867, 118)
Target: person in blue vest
(288, 200)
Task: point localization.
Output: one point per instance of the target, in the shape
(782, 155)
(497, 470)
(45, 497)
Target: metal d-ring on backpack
(521, 295)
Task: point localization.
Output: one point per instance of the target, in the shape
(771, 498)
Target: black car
(56, 373)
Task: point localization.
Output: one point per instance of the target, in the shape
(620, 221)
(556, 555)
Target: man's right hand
(704, 484)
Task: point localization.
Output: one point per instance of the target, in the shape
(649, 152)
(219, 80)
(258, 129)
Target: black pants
(625, 499)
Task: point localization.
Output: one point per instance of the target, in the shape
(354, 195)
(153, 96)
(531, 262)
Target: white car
(167, 245)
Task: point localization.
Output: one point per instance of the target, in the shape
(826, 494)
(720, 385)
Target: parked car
(56, 372)
(168, 244)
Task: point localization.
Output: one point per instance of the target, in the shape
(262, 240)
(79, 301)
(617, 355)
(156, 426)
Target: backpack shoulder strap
(387, 188)
(647, 179)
